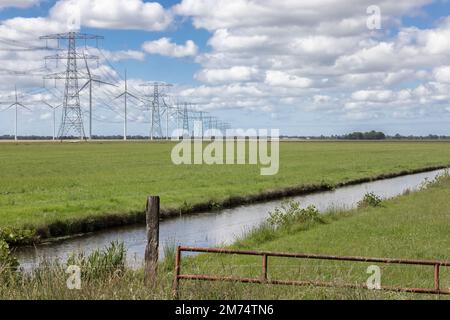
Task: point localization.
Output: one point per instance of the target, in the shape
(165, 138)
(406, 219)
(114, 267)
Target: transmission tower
(72, 114)
(211, 121)
(200, 116)
(156, 106)
(186, 118)
(171, 111)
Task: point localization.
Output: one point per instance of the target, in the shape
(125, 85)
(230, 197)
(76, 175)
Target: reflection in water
(216, 228)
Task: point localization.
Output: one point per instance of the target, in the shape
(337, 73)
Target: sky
(304, 67)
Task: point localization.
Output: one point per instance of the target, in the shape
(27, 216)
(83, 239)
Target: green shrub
(370, 200)
(16, 236)
(291, 213)
(186, 207)
(9, 236)
(215, 206)
(7, 261)
(441, 179)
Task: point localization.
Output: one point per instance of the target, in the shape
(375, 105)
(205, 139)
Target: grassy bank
(414, 226)
(69, 188)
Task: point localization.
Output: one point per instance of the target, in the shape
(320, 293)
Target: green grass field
(413, 226)
(45, 183)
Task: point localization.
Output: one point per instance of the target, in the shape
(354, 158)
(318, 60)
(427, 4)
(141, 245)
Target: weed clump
(441, 179)
(7, 261)
(9, 236)
(16, 236)
(289, 218)
(291, 213)
(186, 207)
(370, 200)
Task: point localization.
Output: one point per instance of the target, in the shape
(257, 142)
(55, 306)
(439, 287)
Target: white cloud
(282, 79)
(249, 90)
(319, 99)
(373, 95)
(29, 29)
(45, 116)
(224, 41)
(18, 3)
(435, 41)
(219, 14)
(321, 52)
(380, 57)
(124, 55)
(233, 74)
(111, 14)
(115, 14)
(442, 74)
(166, 47)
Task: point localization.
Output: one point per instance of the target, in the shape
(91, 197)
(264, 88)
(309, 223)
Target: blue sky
(305, 68)
(162, 68)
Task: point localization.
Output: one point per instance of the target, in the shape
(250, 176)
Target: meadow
(66, 188)
(412, 226)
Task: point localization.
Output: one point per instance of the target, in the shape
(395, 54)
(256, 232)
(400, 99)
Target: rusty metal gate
(265, 266)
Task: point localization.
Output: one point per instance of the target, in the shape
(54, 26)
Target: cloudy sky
(305, 67)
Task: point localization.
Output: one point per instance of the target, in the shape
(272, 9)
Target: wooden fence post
(152, 249)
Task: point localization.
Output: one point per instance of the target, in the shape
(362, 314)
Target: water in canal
(218, 227)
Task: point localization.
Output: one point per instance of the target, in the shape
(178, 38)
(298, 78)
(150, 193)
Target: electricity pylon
(158, 94)
(209, 123)
(125, 94)
(16, 104)
(54, 108)
(186, 118)
(92, 79)
(201, 118)
(72, 115)
(224, 127)
(167, 109)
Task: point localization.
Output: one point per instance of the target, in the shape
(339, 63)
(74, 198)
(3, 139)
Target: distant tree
(372, 135)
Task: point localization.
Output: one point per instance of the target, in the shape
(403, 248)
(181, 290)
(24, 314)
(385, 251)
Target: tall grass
(101, 263)
(289, 218)
(169, 250)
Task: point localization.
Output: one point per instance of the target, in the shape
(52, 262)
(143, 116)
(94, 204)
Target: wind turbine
(125, 94)
(90, 82)
(54, 116)
(16, 104)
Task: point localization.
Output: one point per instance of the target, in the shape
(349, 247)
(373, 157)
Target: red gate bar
(264, 280)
